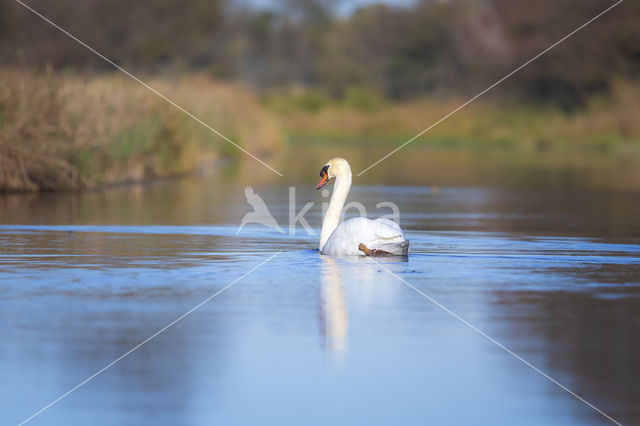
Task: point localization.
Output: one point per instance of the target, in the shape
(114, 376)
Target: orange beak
(323, 181)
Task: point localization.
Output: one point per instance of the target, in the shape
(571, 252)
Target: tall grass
(68, 132)
(607, 124)
(63, 131)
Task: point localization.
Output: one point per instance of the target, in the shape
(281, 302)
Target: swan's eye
(324, 171)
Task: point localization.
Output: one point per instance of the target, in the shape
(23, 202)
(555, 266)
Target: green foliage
(134, 141)
(363, 99)
(447, 48)
(608, 125)
(306, 101)
(311, 101)
(70, 133)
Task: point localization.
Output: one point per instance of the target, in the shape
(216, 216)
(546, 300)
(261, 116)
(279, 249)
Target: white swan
(357, 236)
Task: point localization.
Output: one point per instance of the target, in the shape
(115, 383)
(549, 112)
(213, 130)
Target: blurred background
(297, 82)
(522, 210)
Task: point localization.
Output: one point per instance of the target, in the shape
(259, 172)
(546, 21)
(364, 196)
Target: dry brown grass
(606, 124)
(66, 132)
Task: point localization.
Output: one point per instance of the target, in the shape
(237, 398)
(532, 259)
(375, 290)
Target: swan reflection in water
(369, 286)
(334, 312)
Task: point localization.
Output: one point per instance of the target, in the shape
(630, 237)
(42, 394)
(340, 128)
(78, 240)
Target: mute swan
(357, 236)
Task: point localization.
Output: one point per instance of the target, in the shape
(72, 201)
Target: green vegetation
(429, 48)
(65, 132)
(300, 72)
(607, 124)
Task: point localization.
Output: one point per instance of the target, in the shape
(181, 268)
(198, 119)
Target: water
(552, 274)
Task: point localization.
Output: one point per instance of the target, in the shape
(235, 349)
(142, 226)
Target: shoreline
(64, 132)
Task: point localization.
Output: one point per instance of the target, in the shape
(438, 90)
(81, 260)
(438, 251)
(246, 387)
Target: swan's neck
(338, 198)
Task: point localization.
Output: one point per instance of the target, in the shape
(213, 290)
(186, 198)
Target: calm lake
(546, 262)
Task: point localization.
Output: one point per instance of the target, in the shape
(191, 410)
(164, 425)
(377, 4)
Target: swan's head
(333, 168)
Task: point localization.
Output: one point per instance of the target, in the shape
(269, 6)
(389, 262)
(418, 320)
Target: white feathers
(379, 234)
(344, 238)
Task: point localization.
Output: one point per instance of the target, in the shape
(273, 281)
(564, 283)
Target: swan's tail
(396, 249)
(387, 249)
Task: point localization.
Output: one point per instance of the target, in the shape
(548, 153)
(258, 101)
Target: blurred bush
(447, 48)
(63, 131)
(65, 123)
(363, 99)
(607, 124)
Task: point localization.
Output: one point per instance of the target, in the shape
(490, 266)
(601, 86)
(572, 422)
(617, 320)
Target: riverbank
(67, 132)
(606, 125)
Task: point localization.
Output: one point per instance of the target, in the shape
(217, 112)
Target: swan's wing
(388, 225)
(368, 230)
(390, 238)
(346, 238)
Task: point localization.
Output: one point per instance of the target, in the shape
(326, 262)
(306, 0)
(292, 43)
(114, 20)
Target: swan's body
(379, 236)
